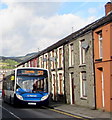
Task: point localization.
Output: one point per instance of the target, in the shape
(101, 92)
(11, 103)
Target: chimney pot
(108, 8)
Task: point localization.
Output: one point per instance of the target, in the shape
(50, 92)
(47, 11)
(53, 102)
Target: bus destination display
(30, 72)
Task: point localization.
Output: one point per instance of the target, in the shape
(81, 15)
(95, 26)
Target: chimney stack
(108, 8)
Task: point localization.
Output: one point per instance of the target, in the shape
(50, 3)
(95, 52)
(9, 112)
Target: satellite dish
(85, 45)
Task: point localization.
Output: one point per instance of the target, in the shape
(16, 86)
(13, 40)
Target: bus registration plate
(31, 103)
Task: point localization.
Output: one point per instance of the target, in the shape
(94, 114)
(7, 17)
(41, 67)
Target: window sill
(71, 67)
(99, 59)
(82, 65)
(60, 68)
(52, 69)
(83, 98)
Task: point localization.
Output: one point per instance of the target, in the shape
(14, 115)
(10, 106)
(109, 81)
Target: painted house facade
(103, 62)
(74, 64)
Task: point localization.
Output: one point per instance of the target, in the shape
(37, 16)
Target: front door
(72, 88)
(73, 96)
(54, 87)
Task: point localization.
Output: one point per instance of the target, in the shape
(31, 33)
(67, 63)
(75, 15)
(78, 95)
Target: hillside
(8, 64)
(11, 62)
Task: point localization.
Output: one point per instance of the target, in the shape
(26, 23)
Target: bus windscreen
(28, 79)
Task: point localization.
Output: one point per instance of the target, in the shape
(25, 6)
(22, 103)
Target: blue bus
(26, 86)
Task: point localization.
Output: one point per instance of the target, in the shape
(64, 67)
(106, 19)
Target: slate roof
(91, 27)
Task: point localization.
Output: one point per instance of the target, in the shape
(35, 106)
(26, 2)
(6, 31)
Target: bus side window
(8, 86)
(10, 82)
(5, 85)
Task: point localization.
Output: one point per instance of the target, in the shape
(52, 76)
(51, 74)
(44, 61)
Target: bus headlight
(44, 97)
(19, 97)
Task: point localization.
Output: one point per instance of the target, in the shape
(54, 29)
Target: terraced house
(74, 64)
(79, 68)
(103, 61)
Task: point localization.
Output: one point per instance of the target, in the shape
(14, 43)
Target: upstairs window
(53, 61)
(71, 54)
(37, 62)
(45, 60)
(29, 64)
(82, 52)
(60, 57)
(41, 62)
(100, 44)
(52, 58)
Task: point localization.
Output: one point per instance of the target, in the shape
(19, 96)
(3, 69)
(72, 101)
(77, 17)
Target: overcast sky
(28, 26)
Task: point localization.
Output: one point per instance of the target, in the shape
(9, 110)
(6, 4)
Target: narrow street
(33, 112)
(56, 60)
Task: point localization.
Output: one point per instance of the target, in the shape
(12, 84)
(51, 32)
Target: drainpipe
(94, 70)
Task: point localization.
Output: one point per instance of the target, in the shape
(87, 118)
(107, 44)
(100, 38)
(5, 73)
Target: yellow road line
(65, 113)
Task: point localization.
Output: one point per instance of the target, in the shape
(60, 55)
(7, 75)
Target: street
(33, 112)
(60, 51)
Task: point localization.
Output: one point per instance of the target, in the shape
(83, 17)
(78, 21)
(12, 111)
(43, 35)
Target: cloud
(25, 27)
(92, 10)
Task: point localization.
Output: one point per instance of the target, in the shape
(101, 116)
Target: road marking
(65, 113)
(68, 114)
(11, 113)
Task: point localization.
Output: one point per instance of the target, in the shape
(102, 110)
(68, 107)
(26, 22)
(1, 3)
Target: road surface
(8, 112)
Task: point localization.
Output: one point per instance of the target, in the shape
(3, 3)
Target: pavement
(82, 111)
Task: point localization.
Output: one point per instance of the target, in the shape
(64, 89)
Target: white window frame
(83, 85)
(60, 62)
(38, 65)
(53, 59)
(100, 44)
(25, 64)
(82, 53)
(71, 54)
(29, 64)
(35, 62)
(59, 83)
(41, 61)
(60, 57)
(45, 61)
